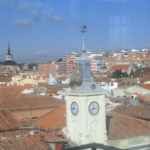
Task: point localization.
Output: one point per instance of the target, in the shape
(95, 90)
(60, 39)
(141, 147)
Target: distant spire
(8, 55)
(8, 49)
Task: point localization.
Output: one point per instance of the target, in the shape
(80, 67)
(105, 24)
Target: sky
(43, 29)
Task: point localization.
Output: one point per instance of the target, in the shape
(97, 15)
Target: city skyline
(47, 28)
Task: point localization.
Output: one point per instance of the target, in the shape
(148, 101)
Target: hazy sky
(50, 28)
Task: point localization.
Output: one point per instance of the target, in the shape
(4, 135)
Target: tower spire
(86, 77)
(83, 31)
(85, 72)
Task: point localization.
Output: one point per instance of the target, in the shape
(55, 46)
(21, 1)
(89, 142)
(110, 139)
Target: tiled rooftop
(123, 126)
(125, 122)
(11, 98)
(27, 143)
(7, 121)
(140, 112)
(54, 119)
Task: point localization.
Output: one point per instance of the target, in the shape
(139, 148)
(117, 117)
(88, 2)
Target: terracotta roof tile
(120, 67)
(54, 119)
(146, 86)
(27, 143)
(123, 126)
(11, 98)
(141, 111)
(7, 121)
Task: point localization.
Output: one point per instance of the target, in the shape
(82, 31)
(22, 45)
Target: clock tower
(85, 109)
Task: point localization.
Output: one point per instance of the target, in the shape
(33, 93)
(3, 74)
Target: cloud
(24, 22)
(32, 12)
(33, 7)
(38, 11)
(53, 18)
(29, 6)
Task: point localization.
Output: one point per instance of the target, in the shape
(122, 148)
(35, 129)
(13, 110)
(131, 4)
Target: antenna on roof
(83, 31)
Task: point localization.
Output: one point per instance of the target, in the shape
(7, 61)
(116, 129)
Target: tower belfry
(85, 113)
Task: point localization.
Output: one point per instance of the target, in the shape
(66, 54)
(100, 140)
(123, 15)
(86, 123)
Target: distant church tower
(85, 109)
(8, 55)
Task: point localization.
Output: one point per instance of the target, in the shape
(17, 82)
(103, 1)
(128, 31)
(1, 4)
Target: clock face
(93, 108)
(74, 108)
